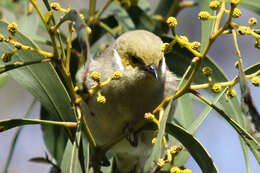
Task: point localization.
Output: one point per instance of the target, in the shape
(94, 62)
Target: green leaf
(3, 79)
(194, 147)
(183, 116)
(163, 7)
(72, 161)
(250, 141)
(158, 149)
(26, 22)
(17, 8)
(41, 80)
(178, 60)
(206, 26)
(141, 19)
(81, 29)
(145, 6)
(121, 16)
(252, 5)
(55, 137)
(11, 123)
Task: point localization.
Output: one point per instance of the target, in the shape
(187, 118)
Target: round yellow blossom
(216, 88)
(175, 149)
(102, 46)
(95, 76)
(6, 57)
(257, 44)
(89, 30)
(236, 64)
(186, 170)
(231, 92)
(101, 99)
(165, 47)
(154, 140)
(242, 30)
(207, 71)
(195, 45)
(252, 21)
(214, 5)
(172, 22)
(256, 81)
(236, 13)
(116, 75)
(175, 170)
(12, 27)
(125, 3)
(203, 15)
(149, 116)
(2, 37)
(184, 38)
(82, 16)
(55, 6)
(160, 162)
(78, 100)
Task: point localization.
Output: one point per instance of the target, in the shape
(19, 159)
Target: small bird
(145, 82)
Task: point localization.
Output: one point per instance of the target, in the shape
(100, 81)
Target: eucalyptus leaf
(41, 80)
(206, 26)
(184, 117)
(121, 16)
(141, 19)
(194, 147)
(55, 137)
(11, 123)
(26, 22)
(70, 162)
(158, 150)
(252, 5)
(3, 79)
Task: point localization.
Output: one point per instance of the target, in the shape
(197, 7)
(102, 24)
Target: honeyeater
(145, 82)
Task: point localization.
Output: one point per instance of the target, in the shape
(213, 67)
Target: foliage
(50, 77)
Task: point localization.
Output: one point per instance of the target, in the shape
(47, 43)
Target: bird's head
(141, 50)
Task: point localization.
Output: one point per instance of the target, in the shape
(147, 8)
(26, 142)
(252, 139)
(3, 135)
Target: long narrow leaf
(11, 123)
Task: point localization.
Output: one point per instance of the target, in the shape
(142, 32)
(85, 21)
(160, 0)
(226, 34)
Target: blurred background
(220, 140)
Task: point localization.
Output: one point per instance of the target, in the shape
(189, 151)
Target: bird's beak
(152, 68)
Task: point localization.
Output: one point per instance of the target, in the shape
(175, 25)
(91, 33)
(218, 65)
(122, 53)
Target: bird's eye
(135, 60)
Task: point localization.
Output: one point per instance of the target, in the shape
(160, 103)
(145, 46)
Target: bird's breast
(127, 100)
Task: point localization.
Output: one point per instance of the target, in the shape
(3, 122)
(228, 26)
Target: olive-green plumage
(144, 84)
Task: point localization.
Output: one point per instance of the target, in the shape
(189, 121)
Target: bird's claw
(130, 136)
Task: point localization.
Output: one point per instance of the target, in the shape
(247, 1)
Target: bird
(145, 82)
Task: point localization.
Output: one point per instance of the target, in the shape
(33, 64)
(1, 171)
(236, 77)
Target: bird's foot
(130, 136)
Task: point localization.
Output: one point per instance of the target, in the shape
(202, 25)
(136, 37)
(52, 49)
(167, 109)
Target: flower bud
(165, 47)
(236, 13)
(207, 71)
(242, 30)
(252, 21)
(214, 5)
(95, 76)
(203, 15)
(195, 45)
(172, 22)
(256, 81)
(116, 75)
(12, 27)
(101, 99)
(216, 88)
